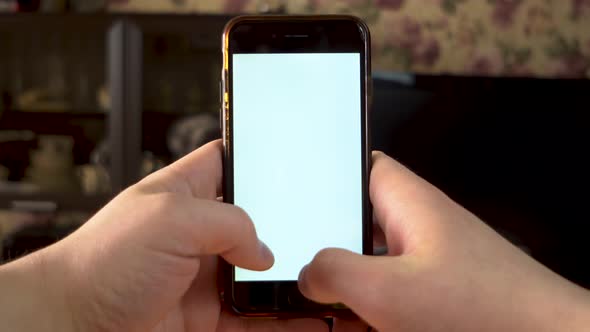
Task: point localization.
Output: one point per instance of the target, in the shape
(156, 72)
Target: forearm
(31, 299)
(572, 312)
(558, 305)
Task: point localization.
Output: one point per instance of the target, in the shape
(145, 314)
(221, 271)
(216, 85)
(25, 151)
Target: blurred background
(487, 99)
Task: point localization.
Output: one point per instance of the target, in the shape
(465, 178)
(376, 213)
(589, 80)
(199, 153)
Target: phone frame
(288, 293)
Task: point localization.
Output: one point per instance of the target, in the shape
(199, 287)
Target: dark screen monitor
(514, 151)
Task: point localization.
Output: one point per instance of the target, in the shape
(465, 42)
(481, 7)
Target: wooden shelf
(49, 202)
(68, 113)
(156, 112)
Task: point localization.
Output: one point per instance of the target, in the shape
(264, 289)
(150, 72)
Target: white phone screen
(298, 154)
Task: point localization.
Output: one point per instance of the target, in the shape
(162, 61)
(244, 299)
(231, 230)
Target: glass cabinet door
(89, 104)
(53, 111)
(180, 92)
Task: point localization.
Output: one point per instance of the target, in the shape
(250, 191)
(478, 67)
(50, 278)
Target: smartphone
(296, 150)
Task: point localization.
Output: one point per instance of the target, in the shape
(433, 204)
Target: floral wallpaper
(545, 38)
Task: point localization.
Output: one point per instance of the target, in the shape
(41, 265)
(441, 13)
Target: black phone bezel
(290, 34)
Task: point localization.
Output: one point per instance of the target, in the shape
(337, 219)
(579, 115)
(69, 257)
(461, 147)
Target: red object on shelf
(28, 5)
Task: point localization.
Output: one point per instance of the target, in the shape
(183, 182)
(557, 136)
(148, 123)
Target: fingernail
(266, 252)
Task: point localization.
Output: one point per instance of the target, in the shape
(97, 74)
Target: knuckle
(249, 228)
(240, 213)
(247, 225)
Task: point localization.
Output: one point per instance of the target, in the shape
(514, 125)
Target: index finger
(203, 170)
(404, 204)
(199, 174)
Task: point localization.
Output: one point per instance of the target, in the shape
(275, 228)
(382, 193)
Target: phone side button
(221, 108)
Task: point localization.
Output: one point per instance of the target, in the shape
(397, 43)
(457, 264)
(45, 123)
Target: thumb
(341, 276)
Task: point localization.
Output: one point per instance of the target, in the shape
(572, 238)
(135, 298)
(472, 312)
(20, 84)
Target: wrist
(33, 296)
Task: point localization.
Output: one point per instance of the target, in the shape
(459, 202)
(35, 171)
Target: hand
(445, 269)
(146, 262)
